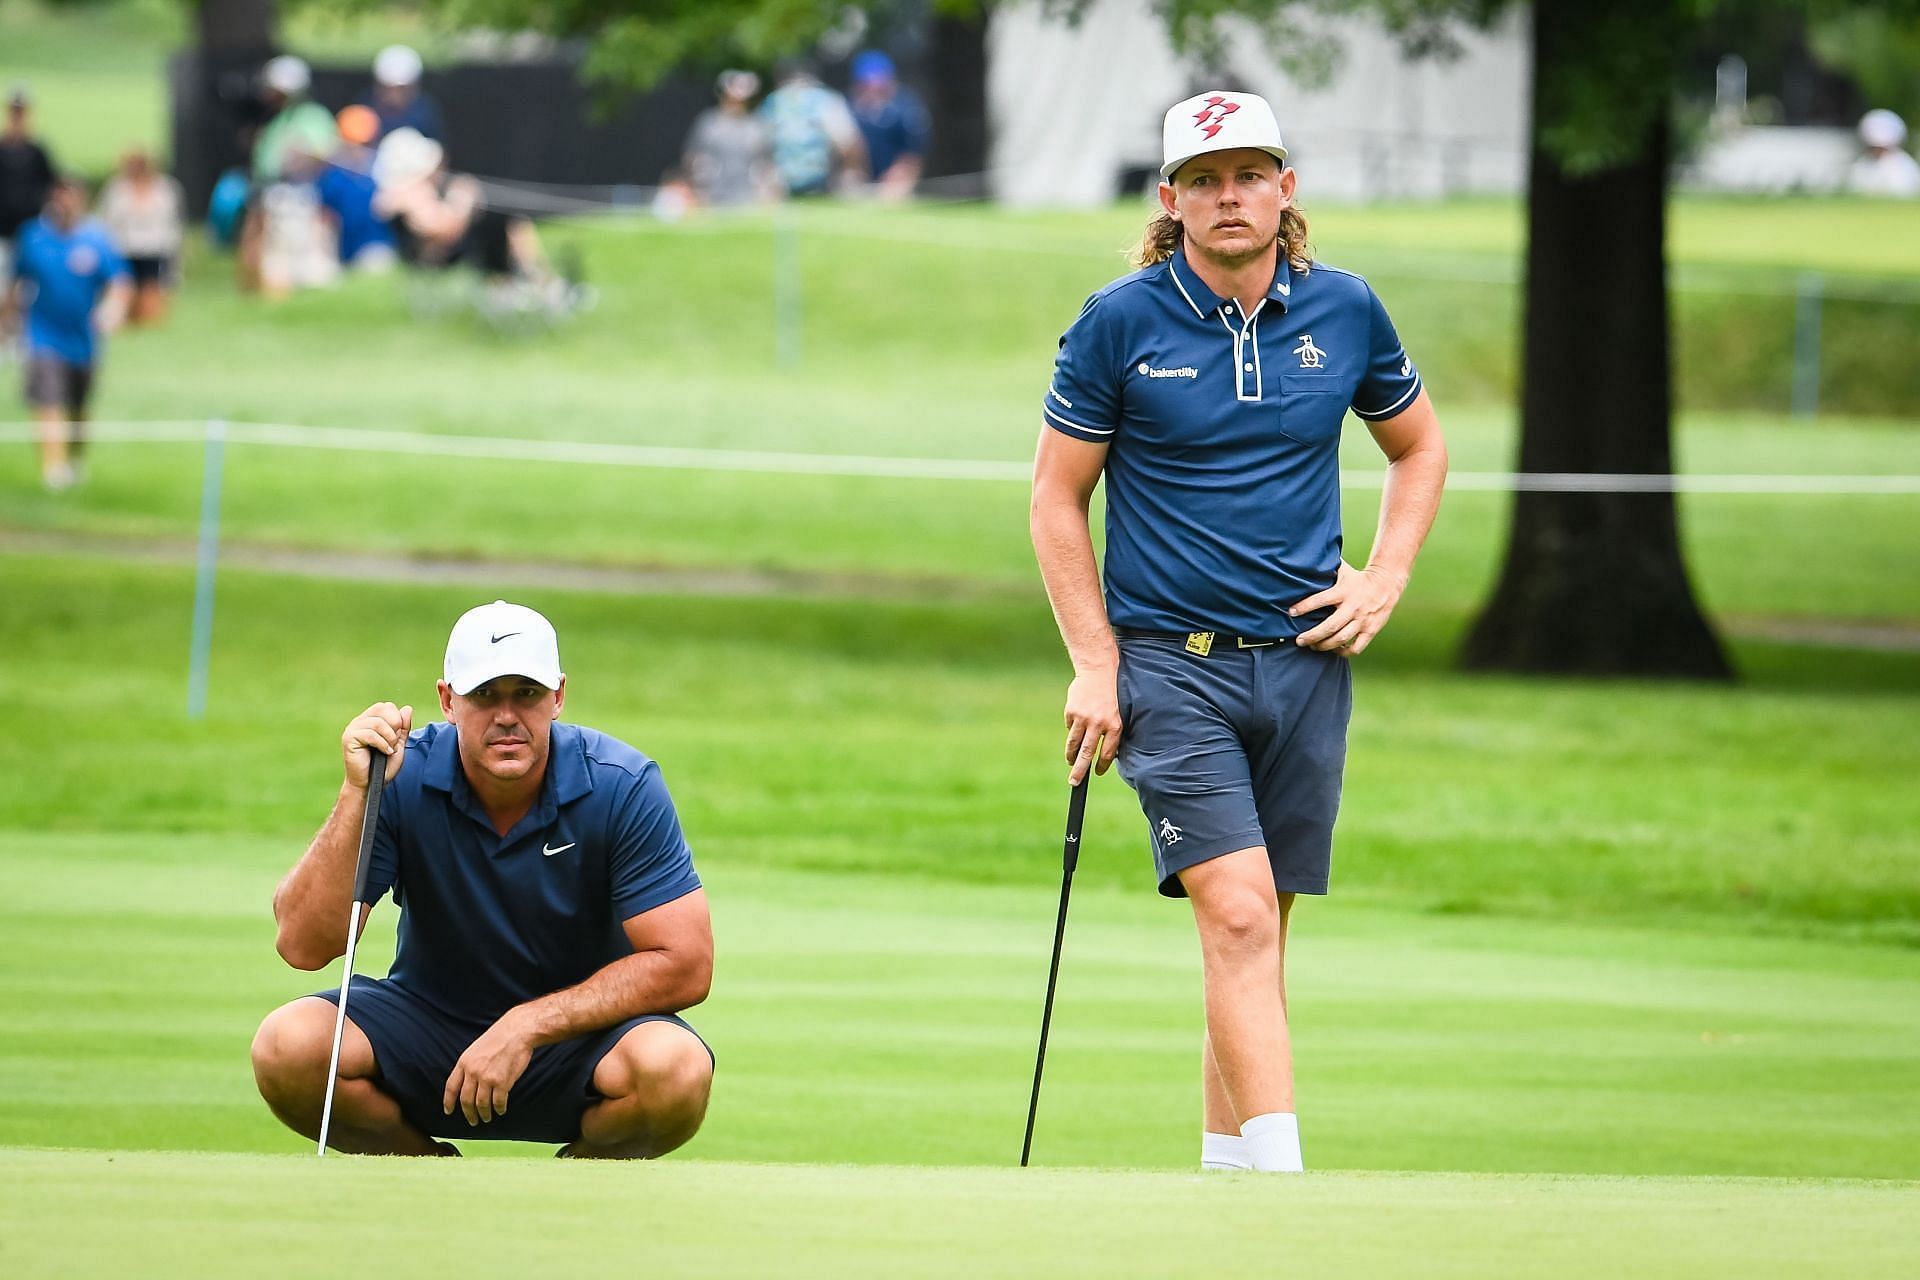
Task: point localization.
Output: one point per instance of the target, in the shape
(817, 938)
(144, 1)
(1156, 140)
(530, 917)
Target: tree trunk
(214, 105)
(243, 26)
(1594, 583)
(957, 102)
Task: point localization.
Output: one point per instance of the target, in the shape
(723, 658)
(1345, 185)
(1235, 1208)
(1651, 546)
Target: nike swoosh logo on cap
(498, 639)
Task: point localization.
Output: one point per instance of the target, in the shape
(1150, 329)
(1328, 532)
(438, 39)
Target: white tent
(1074, 108)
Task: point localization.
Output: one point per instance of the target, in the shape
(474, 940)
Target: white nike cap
(502, 639)
(1217, 121)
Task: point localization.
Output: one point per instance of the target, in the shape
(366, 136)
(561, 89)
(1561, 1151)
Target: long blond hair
(1163, 234)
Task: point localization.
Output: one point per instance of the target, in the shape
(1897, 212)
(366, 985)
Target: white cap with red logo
(502, 639)
(1218, 121)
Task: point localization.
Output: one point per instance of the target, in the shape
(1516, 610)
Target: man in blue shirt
(551, 927)
(75, 286)
(813, 133)
(1209, 388)
(397, 98)
(893, 124)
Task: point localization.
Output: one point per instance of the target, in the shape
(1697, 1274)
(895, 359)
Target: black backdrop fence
(542, 121)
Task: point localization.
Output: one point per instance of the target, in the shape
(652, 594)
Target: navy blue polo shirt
(488, 921)
(1223, 435)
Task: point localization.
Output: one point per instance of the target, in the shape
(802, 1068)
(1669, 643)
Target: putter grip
(376, 783)
(1076, 814)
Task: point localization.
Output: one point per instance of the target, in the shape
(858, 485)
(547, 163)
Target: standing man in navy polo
(1209, 387)
(551, 927)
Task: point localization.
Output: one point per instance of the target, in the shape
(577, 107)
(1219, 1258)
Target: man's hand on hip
(488, 1070)
(382, 727)
(1362, 600)
(1093, 722)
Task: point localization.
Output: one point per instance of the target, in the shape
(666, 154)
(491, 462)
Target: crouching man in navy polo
(551, 927)
(1209, 388)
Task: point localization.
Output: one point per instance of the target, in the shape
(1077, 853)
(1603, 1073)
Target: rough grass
(842, 735)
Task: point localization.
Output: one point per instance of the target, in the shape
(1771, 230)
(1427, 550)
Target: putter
(1069, 858)
(376, 782)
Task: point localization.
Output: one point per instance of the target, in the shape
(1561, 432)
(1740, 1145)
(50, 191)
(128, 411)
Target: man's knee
(658, 1061)
(291, 1049)
(1235, 905)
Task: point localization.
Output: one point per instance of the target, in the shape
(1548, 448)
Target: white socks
(1224, 1151)
(1273, 1142)
(1268, 1143)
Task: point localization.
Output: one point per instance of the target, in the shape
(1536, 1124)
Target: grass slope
(844, 735)
(227, 1216)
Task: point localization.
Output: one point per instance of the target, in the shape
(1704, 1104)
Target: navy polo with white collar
(1223, 435)
(489, 921)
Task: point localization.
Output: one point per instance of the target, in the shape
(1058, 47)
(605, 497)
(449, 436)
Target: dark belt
(1200, 643)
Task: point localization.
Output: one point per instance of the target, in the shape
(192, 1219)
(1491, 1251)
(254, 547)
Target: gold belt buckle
(1200, 642)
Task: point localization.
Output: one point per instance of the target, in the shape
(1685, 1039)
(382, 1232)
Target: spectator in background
(75, 287)
(145, 213)
(893, 125)
(397, 99)
(283, 244)
(346, 187)
(441, 218)
(296, 124)
(1886, 169)
(729, 153)
(26, 175)
(814, 135)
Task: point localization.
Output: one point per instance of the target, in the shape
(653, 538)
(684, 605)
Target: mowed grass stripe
(237, 1216)
(868, 1019)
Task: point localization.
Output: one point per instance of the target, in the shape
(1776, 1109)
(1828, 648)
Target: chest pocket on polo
(1313, 404)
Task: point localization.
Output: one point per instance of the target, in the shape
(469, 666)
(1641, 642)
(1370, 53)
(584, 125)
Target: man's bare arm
(671, 969)
(1065, 472)
(310, 904)
(1363, 599)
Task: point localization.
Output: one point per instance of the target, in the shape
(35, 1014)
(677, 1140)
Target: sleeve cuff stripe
(1393, 408)
(1069, 422)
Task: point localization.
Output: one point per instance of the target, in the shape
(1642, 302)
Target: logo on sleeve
(1311, 357)
(1169, 834)
(1406, 366)
(1184, 371)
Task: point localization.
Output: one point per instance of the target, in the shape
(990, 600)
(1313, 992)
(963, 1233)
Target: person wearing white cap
(552, 927)
(298, 126)
(1209, 389)
(1886, 169)
(398, 100)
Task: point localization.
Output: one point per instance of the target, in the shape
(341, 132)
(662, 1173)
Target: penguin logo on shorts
(1169, 834)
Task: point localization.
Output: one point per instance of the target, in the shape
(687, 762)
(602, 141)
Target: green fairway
(866, 1019)
(876, 813)
(227, 1216)
(1617, 978)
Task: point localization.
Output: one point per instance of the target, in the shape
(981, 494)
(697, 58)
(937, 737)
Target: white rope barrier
(767, 462)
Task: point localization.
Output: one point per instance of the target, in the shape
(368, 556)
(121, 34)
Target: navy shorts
(415, 1045)
(1234, 749)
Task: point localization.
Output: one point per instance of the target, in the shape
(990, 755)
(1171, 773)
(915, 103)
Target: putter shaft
(376, 782)
(1069, 859)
